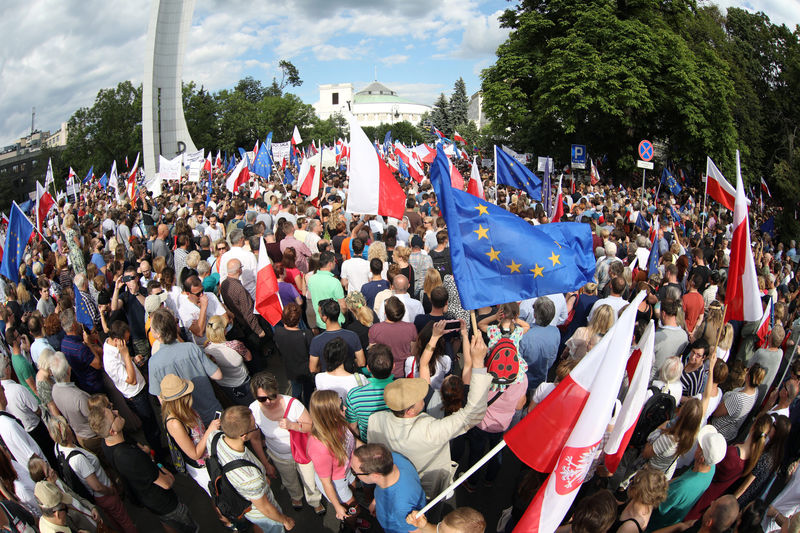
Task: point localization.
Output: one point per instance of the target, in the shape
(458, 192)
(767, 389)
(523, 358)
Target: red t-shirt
(693, 306)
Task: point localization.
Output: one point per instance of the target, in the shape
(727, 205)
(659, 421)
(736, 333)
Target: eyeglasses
(221, 248)
(196, 293)
(359, 473)
(252, 431)
(270, 397)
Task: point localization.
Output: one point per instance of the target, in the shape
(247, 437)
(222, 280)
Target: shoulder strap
(288, 406)
(73, 453)
(496, 397)
(212, 450)
(236, 463)
(9, 415)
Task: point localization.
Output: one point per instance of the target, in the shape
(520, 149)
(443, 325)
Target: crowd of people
(133, 354)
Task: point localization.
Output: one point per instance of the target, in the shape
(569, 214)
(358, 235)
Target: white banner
(522, 158)
(191, 157)
(194, 170)
(170, 169)
(73, 188)
(281, 151)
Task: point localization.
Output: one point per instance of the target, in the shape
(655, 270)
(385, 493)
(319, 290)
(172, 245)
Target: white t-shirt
(84, 464)
(22, 404)
(214, 234)
(18, 442)
(277, 439)
(230, 362)
(443, 365)
(542, 391)
(356, 271)
(114, 365)
(189, 313)
(340, 384)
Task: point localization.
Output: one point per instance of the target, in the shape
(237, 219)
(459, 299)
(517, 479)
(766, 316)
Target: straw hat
(174, 387)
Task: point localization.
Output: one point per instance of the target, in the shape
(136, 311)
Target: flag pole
(32, 224)
(442, 495)
(788, 364)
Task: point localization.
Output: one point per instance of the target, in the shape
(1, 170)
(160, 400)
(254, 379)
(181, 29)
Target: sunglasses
(270, 397)
(360, 473)
(221, 248)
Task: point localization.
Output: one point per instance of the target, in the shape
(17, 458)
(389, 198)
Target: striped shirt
(362, 401)
(249, 481)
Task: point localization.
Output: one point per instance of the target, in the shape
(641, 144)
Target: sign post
(645, 157)
(578, 153)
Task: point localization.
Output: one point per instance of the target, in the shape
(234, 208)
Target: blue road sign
(578, 154)
(645, 150)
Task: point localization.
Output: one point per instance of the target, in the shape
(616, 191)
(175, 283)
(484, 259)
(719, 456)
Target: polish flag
(239, 175)
(268, 302)
(71, 175)
(218, 161)
(574, 417)
(558, 208)
(44, 203)
(594, 177)
(414, 167)
(456, 179)
(207, 164)
(296, 139)
(765, 326)
(459, 138)
(131, 188)
(742, 298)
(373, 189)
(640, 363)
(717, 187)
(765, 188)
(255, 150)
(425, 153)
(311, 178)
(475, 185)
(306, 174)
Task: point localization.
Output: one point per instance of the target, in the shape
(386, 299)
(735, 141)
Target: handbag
(298, 441)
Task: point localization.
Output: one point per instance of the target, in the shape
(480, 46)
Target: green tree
(251, 88)
(440, 115)
(110, 129)
(457, 107)
(200, 110)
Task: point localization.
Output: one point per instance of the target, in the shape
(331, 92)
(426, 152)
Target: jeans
(478, 439)
(302, 387)
(140, 404)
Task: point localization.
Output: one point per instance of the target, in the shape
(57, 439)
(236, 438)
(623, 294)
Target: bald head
(163, 231)
(721, 514)
(400, 284)
(234, 268)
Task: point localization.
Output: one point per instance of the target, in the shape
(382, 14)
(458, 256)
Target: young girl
(508, 325)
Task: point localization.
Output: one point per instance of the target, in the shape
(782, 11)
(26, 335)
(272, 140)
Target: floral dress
(75, 251)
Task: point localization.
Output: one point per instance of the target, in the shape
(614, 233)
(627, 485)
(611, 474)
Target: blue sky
(56, 54)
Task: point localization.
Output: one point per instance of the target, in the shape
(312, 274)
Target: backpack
(657, 410)
(227, 499)
(503, 361)
(68, 475)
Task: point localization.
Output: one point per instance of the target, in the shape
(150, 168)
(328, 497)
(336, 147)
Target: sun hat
(49, 495)
(174, 387)
(402, 393)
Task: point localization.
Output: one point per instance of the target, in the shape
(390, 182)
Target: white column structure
(164, 130)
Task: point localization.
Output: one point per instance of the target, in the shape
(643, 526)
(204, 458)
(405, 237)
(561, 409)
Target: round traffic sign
(645, 150)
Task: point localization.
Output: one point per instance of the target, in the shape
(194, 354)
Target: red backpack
(503, 362)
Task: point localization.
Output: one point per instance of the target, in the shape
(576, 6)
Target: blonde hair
(402, 253)
(377, 250)
(23, 296)
(726, 338)
(602, 320)
(714, 321)
(363, 314)
(69, 221)
(215, 329)
(180, 409)
(59, 430)
(329, 423)
(193, 258)
(158, 265)
(432, 280)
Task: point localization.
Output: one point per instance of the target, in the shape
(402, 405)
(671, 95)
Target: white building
(475, 110)
(373, 105)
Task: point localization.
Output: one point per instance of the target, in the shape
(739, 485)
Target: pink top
(325, 464)
(498, 416)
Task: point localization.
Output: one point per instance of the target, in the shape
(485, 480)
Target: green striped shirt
(362, 401)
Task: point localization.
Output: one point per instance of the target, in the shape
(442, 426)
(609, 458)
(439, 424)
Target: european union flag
(103, 182)
(497, 257)
(231, 164)
(89, 176)
(288, 177)
(19, 233)
(263, 163)
(509, 171)
(671, 182)
(768, 227)
(293, 157)
(642, 224)
(387, 142)
(403, 168)
(82, 312)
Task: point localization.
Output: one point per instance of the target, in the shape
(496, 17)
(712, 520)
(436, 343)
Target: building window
(335, 98)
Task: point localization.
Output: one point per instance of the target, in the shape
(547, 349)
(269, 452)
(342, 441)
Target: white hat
(712, 443)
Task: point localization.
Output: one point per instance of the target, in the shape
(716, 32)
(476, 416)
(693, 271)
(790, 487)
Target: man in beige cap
(58, 515)
(423, 439)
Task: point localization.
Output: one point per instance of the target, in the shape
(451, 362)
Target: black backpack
(227, 499)
(68, 475)
(657, 410)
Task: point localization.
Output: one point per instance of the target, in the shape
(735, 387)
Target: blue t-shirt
(317, 348)
(393, 504)
(371, 289)
(97, 259)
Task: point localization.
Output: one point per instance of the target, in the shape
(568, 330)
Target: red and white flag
(207, 164)
(456, 179)
(48, 177)
(373, 188)
(296, 139)
(239, 175)
(475, 185)
(742, 298)
(638, 369)
(459, 138)
(268, 302)
(765, 188)
(425, 153)
(412, 162)
(132, 189)
(311, 178)
(765, 326)
(574, 417)
(218, 161)
(717, 187)
(594, 177)
(558, 208)
(44, 203)
(71, 175)
(255, 150)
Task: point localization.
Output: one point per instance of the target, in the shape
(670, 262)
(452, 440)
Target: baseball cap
(154, 301)
(712, 443)
(401, 394)
(49, 495)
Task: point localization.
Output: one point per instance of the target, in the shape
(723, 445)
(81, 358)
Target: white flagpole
(705, 193)
(32, 224)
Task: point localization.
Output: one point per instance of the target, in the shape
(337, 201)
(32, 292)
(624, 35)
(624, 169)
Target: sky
(56, 54)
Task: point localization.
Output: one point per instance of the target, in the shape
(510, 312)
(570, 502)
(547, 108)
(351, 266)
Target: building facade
(475, 110)
(375, 104)
(23, 161)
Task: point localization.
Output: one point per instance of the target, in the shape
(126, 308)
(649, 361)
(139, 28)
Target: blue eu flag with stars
(262, 166)
(497, 257)
(668, 179)
(509, 171)
(19, 233)
(82, 312)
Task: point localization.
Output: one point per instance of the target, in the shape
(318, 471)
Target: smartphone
(217, 415)
(451, 325)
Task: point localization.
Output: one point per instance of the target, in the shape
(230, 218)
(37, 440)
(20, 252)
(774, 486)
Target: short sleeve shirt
(324, 285)
(318, 343)
(394, 503)
(325, 463)
(277, 439)
(85, 463)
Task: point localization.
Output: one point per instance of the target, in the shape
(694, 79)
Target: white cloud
(779, 11)
(328, 52)
(395, 59)
(482, 36)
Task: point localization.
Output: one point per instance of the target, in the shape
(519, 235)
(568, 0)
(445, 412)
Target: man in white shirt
(247, 259)
(215, 231)
(400, 289)
(313, 236)
(615, 300)
(39, 343)
(12, 432)
(355, 271)
(559, 301)
(194, 308)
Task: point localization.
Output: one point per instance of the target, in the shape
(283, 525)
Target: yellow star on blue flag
(19, 233)
(508, 171)
(497, 257)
